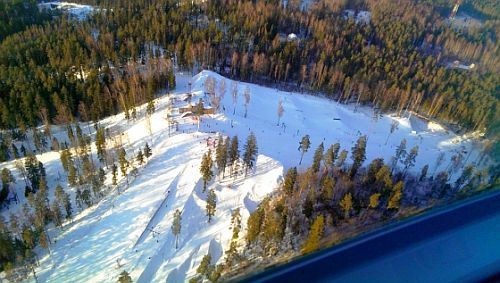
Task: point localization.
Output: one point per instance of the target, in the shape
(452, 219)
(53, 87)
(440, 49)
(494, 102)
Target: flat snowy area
(131, 230)
(77, 10)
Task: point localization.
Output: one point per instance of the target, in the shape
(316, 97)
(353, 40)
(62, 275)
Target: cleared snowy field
(132, 230)
(76, 10)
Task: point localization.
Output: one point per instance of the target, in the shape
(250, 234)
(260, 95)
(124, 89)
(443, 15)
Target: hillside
(130, 228)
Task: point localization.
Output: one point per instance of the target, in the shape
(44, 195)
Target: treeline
(337, 198)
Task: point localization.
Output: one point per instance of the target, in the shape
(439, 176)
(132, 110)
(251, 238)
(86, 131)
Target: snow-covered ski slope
(132, 230)
(328, 122)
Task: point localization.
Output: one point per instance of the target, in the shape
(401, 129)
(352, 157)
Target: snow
(363, 17)
(463, 20)
(131, 226)
(459, 65)
(79, 11)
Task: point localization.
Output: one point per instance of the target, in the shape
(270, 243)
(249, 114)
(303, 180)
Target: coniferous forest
(57, 70)
(395, 62)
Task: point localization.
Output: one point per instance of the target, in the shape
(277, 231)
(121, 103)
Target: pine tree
(114, 173)
(371, 173)
(72, 176)
(304, 146)
(176, 226)
(44, 240)
(147, 151)
(465, 176)
(399, 155)
(124, 277)
(331, 155)
(410, 159)
(100, 143)
(250, 155)
(204, 267)
(374, 200)
(234, 153)
(211, 204)
(206, 169)
(55, 211)
(395, 199)
(101, 176)
(34, 172)
(290, 179)
(308, 205)
(122, 159)
(318, 156)
(7, 178)
(150, 108)
(63, 199)
(358, 155)
(342, 158)
(231, 253)
(424, 171)
(327, 189)
(221, 155)
(383, 179)
(140, 157)
(346, 204)
(66, 159)
(315, 233)
(254, 224)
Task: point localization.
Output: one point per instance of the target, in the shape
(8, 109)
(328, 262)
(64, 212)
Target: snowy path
(160, 212)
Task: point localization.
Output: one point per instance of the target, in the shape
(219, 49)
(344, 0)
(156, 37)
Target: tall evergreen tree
(234, 153)
(410, 159)
(100, 143)
(140, 157)
(290, 180)
(114, 173)
(346, 204)
(250, 154)
(304, 146)
(315, 233)
(147, 151)
(206, 169)
(399, 155)
(318, 156)
(331, 155)
(358, 155)
(122, 159)
(211, 204)
(221, 154)
(397, 193)
(342, 158)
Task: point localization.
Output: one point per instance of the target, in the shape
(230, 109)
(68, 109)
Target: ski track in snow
(116, 234)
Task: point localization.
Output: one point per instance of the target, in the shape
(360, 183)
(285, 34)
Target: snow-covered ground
(363, 17)
(463, 20)
(132, 230)
(78, 11)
